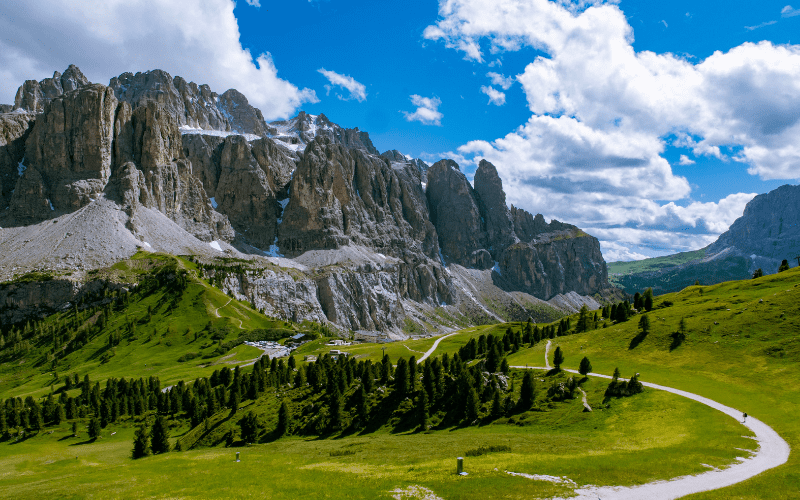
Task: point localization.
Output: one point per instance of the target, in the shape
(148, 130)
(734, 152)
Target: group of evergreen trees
(620, 388)
(102, 406)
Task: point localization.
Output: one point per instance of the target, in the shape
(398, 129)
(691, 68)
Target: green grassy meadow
(742, 349)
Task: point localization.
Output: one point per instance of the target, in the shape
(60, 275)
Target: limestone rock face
(71, 148)
(32, 96)
(191, 105)
(394, 155)
(205, 153)
(6, 108)
(248, 181)
(246, 193)
(767, 232)
(343, 196)
(556, 263)
(455, 213)
(499, 225)
(14, 130)
(303, 128)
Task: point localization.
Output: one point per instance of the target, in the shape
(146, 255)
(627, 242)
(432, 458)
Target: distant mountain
(767, 233)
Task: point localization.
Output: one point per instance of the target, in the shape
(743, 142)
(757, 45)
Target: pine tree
(648, 299)
(471, 405)
(644, 325)
(497, 405)
(361, 406)
(759, 273)
(637, 300)
(251, 427)
(586, 367)
(141, 444)
(284, 420)
(401, 378)
(159, 437)
(504, 366)
(784, 266)
(422, 410)
(527, 392)
(583, 320)
(335, 405)
(74, 429)
(558, 358)
(94, 429)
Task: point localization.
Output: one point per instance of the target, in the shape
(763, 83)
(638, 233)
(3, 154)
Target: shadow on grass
(88, 441)
(635, 341)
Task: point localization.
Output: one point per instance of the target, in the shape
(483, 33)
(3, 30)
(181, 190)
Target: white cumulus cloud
(789, 11)
(603, 113)
(495, 96)
(501, 81)
(196, 39)
(427, 111)
(254, 3)
(685, 160)
(357, 90)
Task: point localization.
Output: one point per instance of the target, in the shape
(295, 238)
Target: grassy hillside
(673, 273)
(170, 325)
(742, 349)
(654, 264)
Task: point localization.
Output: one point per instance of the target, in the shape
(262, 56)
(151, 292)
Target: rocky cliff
(191, 105)
(330, 230)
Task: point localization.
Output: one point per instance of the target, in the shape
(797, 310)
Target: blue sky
(617, 117)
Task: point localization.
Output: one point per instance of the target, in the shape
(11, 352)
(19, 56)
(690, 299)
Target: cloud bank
(196, 39)
(603, 114)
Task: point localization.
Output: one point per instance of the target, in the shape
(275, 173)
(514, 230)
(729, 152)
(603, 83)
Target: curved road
(433, 348)
(773, 451)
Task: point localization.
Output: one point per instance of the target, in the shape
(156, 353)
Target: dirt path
(433, 348)
(547, 356)
(583, 398)
(216, 312)
(772, 452)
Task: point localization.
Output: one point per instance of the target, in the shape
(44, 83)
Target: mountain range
(767, 233)
(312, 222)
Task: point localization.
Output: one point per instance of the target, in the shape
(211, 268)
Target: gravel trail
(433, 348)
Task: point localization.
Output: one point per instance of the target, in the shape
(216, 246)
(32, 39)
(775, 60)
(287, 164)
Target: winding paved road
(433, 348)
(772, 451)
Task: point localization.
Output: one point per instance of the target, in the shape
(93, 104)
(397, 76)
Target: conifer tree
(284, 420)
(784, 266)
(159, 436)
(94, 429)
(583, 320)
(251, 427)
(497, 405)
(361, 406)
(585, 367)
(335, 406)
(648, 299)
(401, 378)
(74, 429)
(558, 358)
(527, 392)
(141, 444)
(504, 366)
(422, 409)
(471, 405)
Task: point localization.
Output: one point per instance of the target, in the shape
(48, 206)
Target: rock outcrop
(477, 229)
(395, 156)
(455, 213)
(33, 96)
(344, 196)
(191, 105)
(497, 217)
(14, 130)
(69, 151)
(297, 132)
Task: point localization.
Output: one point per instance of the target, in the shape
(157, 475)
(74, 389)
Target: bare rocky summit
(380, 244)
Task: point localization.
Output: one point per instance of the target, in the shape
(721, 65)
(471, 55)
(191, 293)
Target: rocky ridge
(375, 243)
